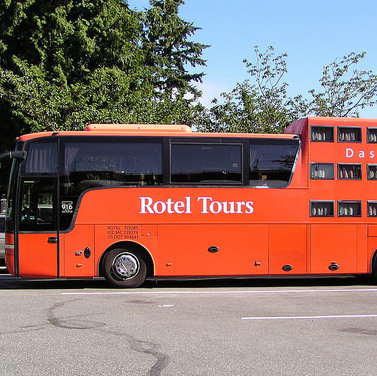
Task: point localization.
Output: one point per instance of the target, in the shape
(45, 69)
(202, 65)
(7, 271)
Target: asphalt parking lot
(215, 327)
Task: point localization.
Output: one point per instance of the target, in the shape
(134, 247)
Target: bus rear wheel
(124, 268)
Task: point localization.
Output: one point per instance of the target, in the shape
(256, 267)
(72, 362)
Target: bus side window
(205, 163)
(38, 204)
(272, 163)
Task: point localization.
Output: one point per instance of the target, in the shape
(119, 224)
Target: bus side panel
(78, 256)
(287, 248)
(212, 250)
(37, 257)
(362, 249)
(334, 245)
(115, 235)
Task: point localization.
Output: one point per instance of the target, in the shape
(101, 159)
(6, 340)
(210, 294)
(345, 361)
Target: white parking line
(214, 292)
(308, 317)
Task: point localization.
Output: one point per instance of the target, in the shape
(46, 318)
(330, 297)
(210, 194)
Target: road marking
(214, 292)
(309, 317)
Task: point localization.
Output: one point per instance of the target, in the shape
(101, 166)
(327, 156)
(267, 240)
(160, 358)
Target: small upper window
(321, 208)
(322, 171)
(322, 134)
(372, 172)
(349, 208)
(372, 135)
(349, 171)
(372, 209)
(349, 134)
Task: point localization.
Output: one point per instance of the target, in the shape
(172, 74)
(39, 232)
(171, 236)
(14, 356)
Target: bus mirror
(19, 154)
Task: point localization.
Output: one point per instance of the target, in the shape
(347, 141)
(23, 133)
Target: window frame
(327, 127)
(358, 165)
(313, 164)
(312, 203)
(359, 134)
(341, 202)
(209, 142)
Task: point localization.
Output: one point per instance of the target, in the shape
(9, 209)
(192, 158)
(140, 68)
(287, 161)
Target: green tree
(344, 91)
(64, 64)
(169, 50)
(170, 56)
(55, 54)
(262, 104)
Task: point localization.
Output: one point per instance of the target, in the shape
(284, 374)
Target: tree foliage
(263, 105)
(344, 91)
(64, 64)
(260, 105)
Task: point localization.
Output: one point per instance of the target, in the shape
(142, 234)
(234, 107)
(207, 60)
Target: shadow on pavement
(7, 282)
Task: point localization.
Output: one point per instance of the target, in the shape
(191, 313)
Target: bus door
(38, 238)
(77, 258)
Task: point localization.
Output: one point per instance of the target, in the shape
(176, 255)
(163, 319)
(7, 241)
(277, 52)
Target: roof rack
(148, 128)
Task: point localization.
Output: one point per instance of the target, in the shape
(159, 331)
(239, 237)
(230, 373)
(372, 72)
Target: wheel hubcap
(126, 265)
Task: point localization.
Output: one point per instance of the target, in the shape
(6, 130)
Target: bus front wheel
(124, 268)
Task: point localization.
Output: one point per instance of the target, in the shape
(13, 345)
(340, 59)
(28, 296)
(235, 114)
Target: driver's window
(38, 204)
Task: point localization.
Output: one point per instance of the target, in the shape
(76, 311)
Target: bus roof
(145, 130)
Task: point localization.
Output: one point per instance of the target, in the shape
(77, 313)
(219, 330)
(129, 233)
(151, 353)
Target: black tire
(374, 268)
(124, 268)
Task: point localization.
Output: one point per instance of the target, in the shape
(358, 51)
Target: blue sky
(313, 33)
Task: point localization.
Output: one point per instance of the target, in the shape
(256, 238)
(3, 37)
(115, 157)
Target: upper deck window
(206, 163)
(272, 162)
(349, 134)
(372, 135)
(321, 208)
(349, 208)
(349, 171)
(321, 134)
(322, 170)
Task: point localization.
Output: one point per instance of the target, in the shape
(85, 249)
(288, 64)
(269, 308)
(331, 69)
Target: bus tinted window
(206, 163)
(101, 164)
(38, 204)
(271, 162)
(41, 158)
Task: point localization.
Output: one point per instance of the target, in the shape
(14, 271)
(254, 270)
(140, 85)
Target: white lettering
(145, 205)
(349, 153)
(362, 154)
(162, 206)
(208, 206)
(205, 205)
(249, 207)
(188, 205)
(228, 207)
(215, 207)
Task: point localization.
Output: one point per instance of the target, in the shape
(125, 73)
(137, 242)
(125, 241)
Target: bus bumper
(9, 260)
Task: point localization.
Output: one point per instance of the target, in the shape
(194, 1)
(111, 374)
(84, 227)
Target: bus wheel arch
(126, 264)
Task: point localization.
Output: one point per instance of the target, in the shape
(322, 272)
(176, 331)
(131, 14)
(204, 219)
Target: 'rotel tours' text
(207, 206)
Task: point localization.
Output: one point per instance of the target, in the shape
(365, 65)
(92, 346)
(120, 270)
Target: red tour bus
(129, 202)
